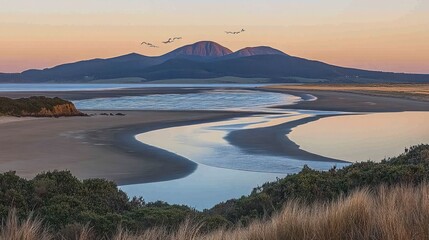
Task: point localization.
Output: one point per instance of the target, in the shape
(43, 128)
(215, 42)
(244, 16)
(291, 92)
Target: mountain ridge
(208, 59)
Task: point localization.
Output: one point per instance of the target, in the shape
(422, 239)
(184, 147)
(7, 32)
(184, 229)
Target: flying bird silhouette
(149, 44)
(235, 33)
(171, 40)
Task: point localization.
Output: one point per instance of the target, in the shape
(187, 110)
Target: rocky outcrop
(63, 110)
(38, 107)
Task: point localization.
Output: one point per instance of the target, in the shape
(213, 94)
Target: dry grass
(189, 230)
(390, 214)
(413, 91)
(30, 229)
(385, 214)
(398, 213)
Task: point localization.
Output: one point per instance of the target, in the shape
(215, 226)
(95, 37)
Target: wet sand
(98, 146)
(331, 100)
(414, 91)
(274, 141)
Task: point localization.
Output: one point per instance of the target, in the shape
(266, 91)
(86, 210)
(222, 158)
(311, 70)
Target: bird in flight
(171, 40)
(234, 33)
(149, 44)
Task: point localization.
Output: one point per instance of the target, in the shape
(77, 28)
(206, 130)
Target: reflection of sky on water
(224, 171)
(49, 87)
(365, 137)
(204, 188)
(208, 100)
(220, 174)
(205, 144)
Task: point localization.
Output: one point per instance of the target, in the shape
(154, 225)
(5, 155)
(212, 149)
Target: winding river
(236, 155)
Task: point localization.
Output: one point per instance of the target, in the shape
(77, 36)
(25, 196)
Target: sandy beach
(412, 91)
(362, 98)
(7, 119)
(97, 146)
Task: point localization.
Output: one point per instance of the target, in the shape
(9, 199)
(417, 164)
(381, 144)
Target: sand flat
(8, 119)
(409, 90)
(97, 146)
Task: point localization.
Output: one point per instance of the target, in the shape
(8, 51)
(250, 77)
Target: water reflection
(231, 99)
(363, 137)
(224, 170)
(204, 188)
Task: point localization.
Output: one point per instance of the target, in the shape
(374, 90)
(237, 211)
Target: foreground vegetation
(316, 205)
(395, 213)
(37, 107)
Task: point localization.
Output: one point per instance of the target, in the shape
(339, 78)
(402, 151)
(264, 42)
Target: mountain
(204, 60)
(203, 49)
(252, 51)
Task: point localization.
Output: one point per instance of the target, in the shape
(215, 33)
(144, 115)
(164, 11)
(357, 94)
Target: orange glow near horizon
(387, 35)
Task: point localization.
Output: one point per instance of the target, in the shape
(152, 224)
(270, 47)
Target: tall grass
(395, 213)
(384, 214)
(30, 229)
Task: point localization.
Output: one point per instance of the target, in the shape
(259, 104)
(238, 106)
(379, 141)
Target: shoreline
(327, 100)
(123, 139)
(350, 102)
(99, 146)
(274, 141)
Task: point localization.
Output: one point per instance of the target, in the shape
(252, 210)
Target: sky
(388, 35)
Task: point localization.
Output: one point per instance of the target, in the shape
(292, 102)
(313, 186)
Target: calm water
(208, 100)
(358, 138)
(224, 171)
(87, 87)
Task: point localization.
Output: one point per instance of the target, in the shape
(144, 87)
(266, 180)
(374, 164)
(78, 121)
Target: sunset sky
(389, 35)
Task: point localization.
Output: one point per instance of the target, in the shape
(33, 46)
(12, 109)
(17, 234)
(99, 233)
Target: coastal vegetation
(386, 200)
(37, 107)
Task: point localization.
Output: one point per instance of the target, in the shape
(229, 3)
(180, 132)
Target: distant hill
(208, 59)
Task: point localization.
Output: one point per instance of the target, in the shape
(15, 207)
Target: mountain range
(207, 60)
